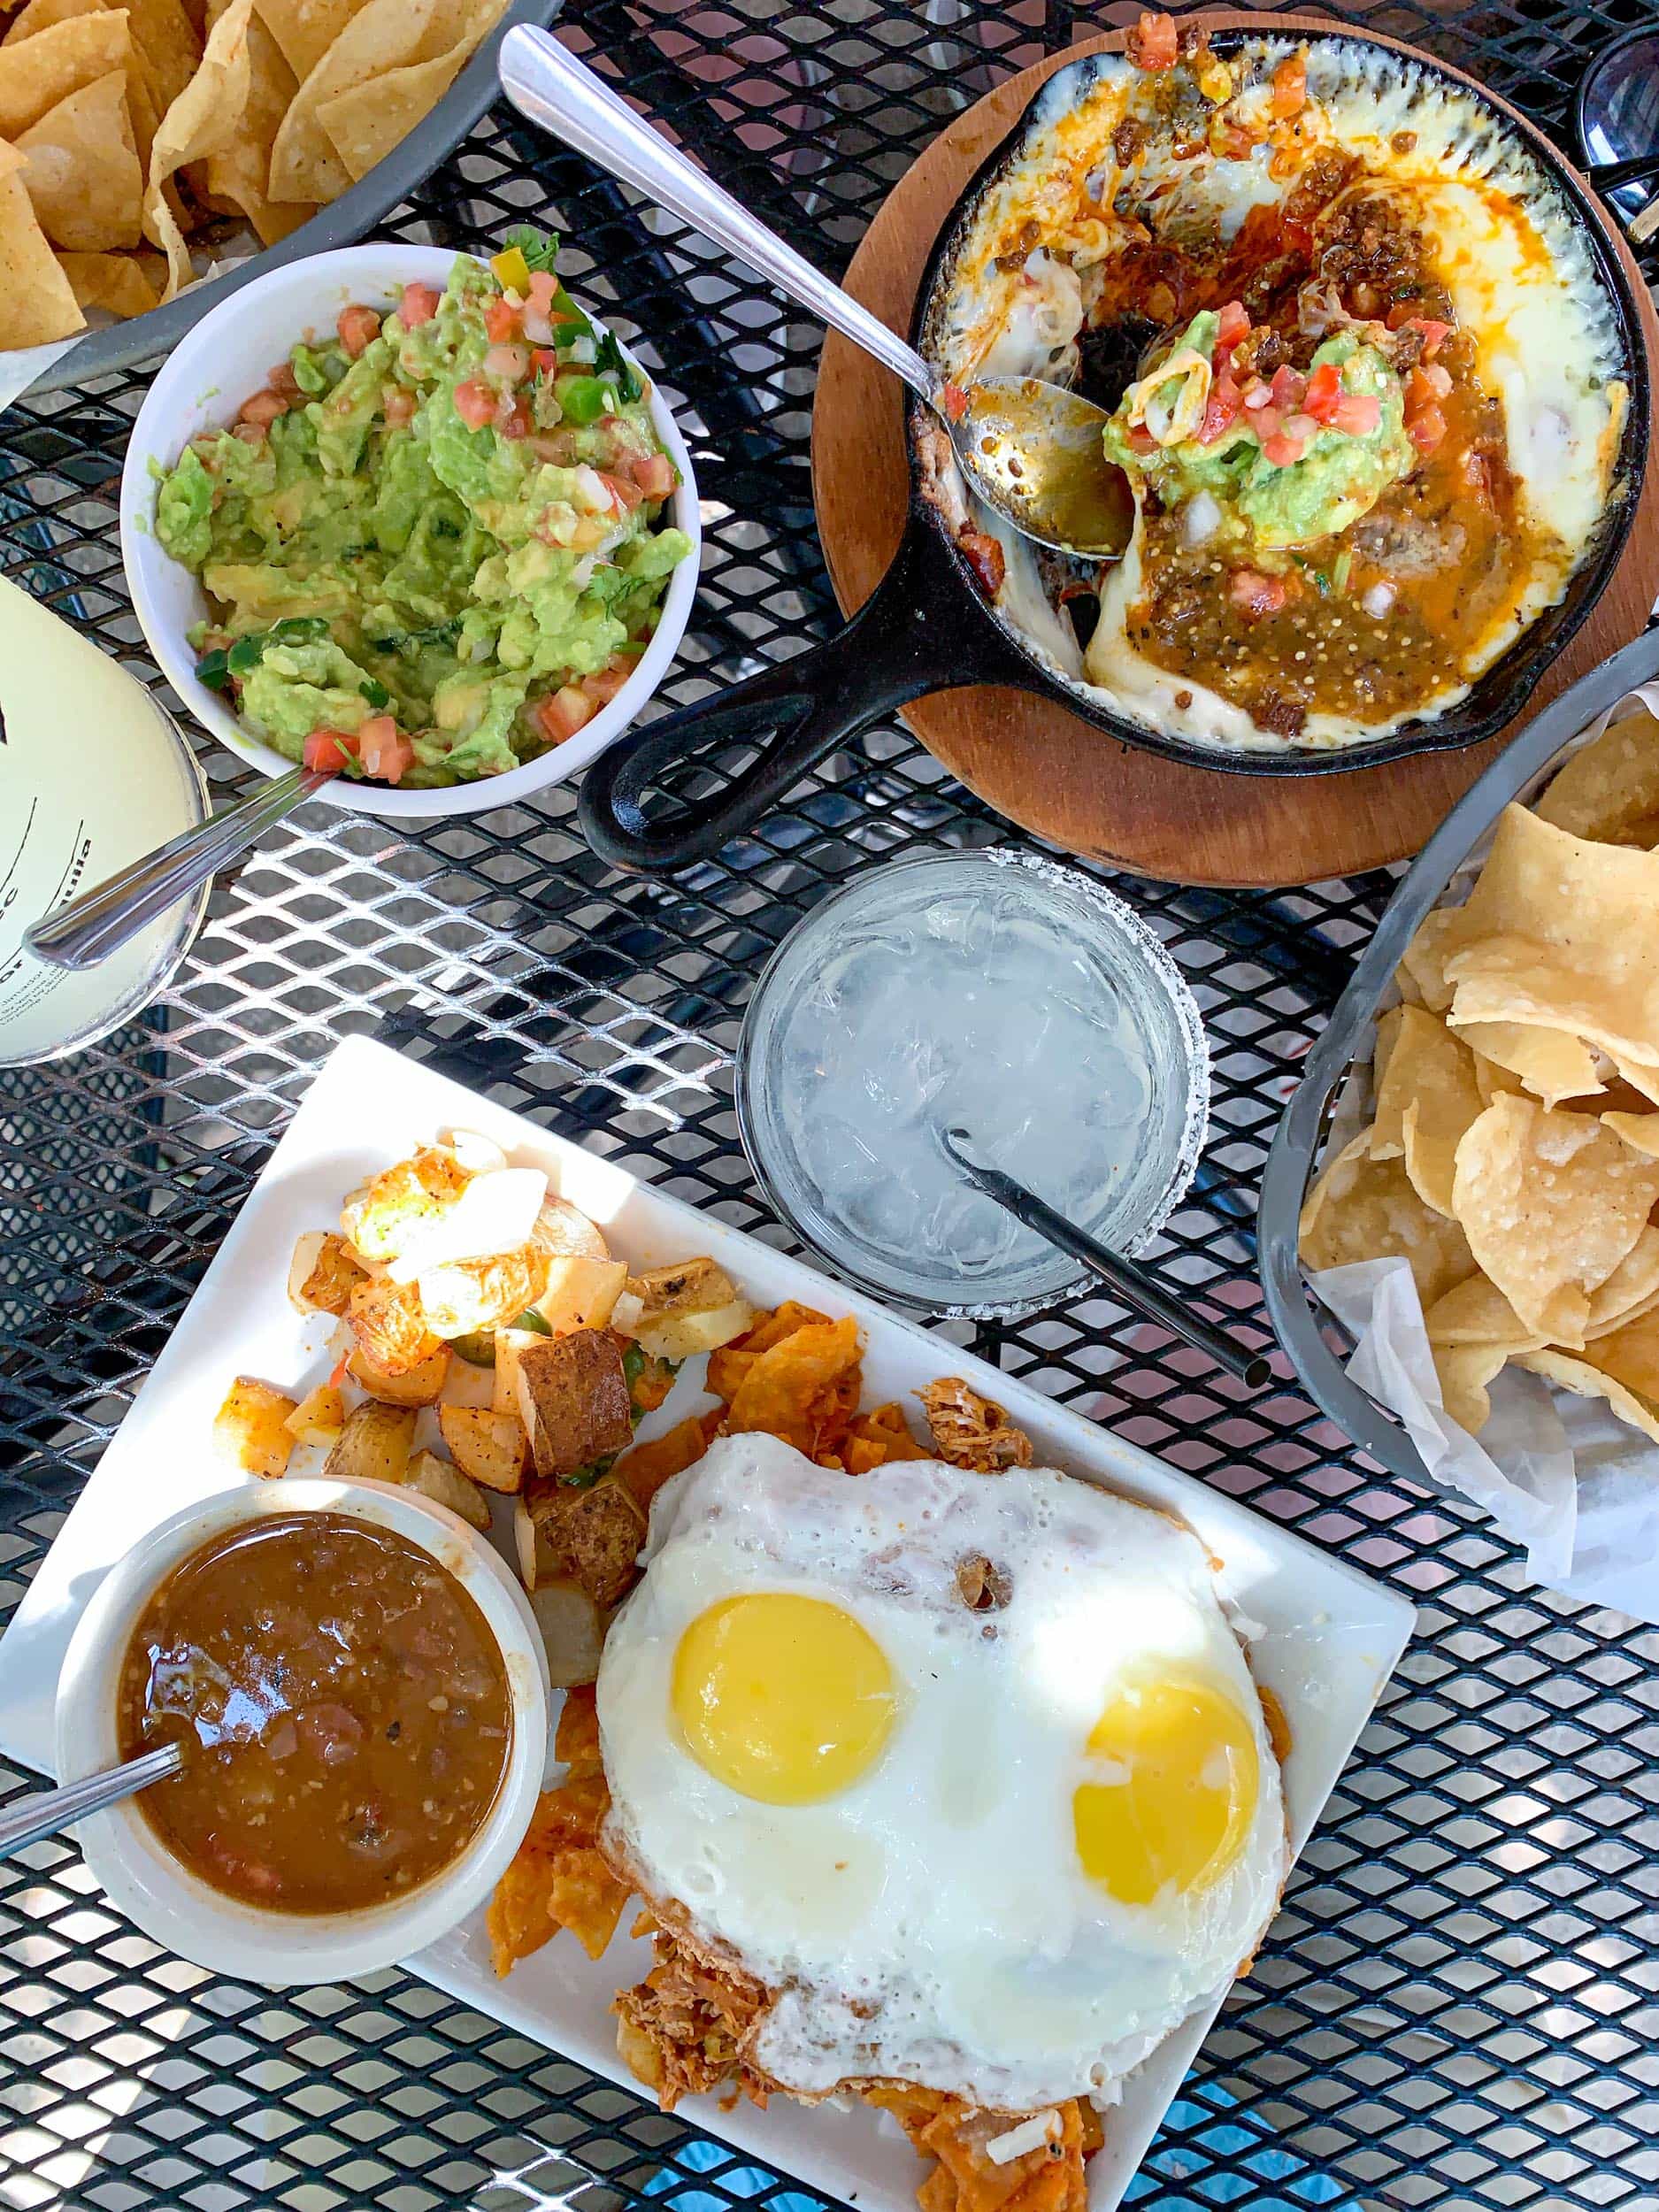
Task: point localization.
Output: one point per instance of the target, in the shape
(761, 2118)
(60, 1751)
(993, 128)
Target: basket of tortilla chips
(1467, 1180)
(148, 144)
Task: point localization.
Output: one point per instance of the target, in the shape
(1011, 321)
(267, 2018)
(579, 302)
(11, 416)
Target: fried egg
(996, 1848)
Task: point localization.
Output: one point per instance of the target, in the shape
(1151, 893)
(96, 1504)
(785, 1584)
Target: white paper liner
(1559, 1473)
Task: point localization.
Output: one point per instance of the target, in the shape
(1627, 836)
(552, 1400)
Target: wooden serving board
(1049, 771)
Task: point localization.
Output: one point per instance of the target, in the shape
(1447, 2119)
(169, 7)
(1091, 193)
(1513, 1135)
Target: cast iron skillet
(927, 627)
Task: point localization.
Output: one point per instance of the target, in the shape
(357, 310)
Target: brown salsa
(344, 1707)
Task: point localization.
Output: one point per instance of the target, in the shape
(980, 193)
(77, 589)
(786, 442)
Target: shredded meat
(971, 1431)
(681, 2027)
(1409, 544)
(1128, 139)
(1283, 715)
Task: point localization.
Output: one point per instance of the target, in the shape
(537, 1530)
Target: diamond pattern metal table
(1459, 2003)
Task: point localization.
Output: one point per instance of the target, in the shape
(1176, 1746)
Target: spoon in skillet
(1031, 451)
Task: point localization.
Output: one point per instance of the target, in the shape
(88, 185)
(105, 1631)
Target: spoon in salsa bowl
(45, 1812)
(1031, 451)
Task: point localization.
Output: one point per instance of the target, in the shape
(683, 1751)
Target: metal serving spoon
(1031, 451)
(46, 1812)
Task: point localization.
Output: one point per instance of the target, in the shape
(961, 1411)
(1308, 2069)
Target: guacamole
(434, 544)
(1287, 460)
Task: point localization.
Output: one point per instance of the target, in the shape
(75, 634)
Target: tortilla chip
(1640, 1075)
(1423, 963)
(39, 72)
(1591, 1382)
(1632, 1288)
(118, 283)
(37, 302)
(1549, 1063)
(82, 170)
(1426, 1098)
(169, 52)
(1490, 1079)
(1609, 787)
(1551, 1202)
(586, 1897)
(382, 35)
(1631, 1356)
(1363, 1209)
(1464, 1371)
(876, 1439)
(366, 120)
(647, 1467)
(1641, 1132)
(234, 178)
(1478, 1312)
(1386, 1140)
(40, 15)
(306, 29)
(202, 122)
(782, 1321)
(796, 1389)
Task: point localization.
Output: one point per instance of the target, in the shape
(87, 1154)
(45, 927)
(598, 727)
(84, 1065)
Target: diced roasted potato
(573, 1401)
(490, 1447)
(693, 1287)
(588, 1536)
(511, 1344)
(421, 1385)
(578, 1293)
(251, 1427)
(465, 1296)
(318, 1417)
(564, 1231)
(373, 1445)
(680, 1336)
(434, 1478)
(574, 1631)
(383, 1215)
(323, 1274)
(390, 1328)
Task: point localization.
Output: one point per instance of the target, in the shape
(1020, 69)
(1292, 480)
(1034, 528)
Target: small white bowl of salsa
(362, 1693)
(226, 361)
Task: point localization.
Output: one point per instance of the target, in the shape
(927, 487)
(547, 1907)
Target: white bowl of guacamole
(416, 546)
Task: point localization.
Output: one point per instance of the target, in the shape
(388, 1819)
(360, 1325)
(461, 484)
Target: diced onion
(1027, 2135)
(1201, 518)
(1377, 600)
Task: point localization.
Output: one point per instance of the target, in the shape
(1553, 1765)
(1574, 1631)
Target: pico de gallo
(435, 542)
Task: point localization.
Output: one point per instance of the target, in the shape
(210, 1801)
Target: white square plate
(1329, 1636)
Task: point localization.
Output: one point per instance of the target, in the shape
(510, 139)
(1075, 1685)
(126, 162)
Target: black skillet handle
(913, 635)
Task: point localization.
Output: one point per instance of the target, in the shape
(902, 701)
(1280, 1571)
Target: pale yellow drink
(92, 777)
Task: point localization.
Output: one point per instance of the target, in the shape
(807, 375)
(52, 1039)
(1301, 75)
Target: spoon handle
(46, 1812)
(547, 83)
(102, 920)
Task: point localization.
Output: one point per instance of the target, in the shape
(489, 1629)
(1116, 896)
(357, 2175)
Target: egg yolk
(784, 1698)
(1177, 1786)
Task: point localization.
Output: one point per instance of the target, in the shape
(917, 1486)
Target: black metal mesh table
(1459, 2004)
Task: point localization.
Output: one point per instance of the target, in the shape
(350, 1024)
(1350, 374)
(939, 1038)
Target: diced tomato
(954, 400)
(1233, 325)
(625, 495)
(1153, 43)
(563, 712)
(1256, 594)
(250, 432)
(475, 403)
(654, 474)
(1437, 379)
(1323, 392)
(262, 408)
(1258, 394)
(1434, 334)
(1141, 441)
(419, 304)
(544, 361)
(513, 419)
(328, 749)
(283, 380)
(1287, 388)
(1357, 414)
(1229, 141)
(1224, 404)
(397, 404)
(501, 320)
(1290, 87)
(383, 751)
(359, 328)
(1281, 449)
(602, 688)
(556, 446)
(1425, 428)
